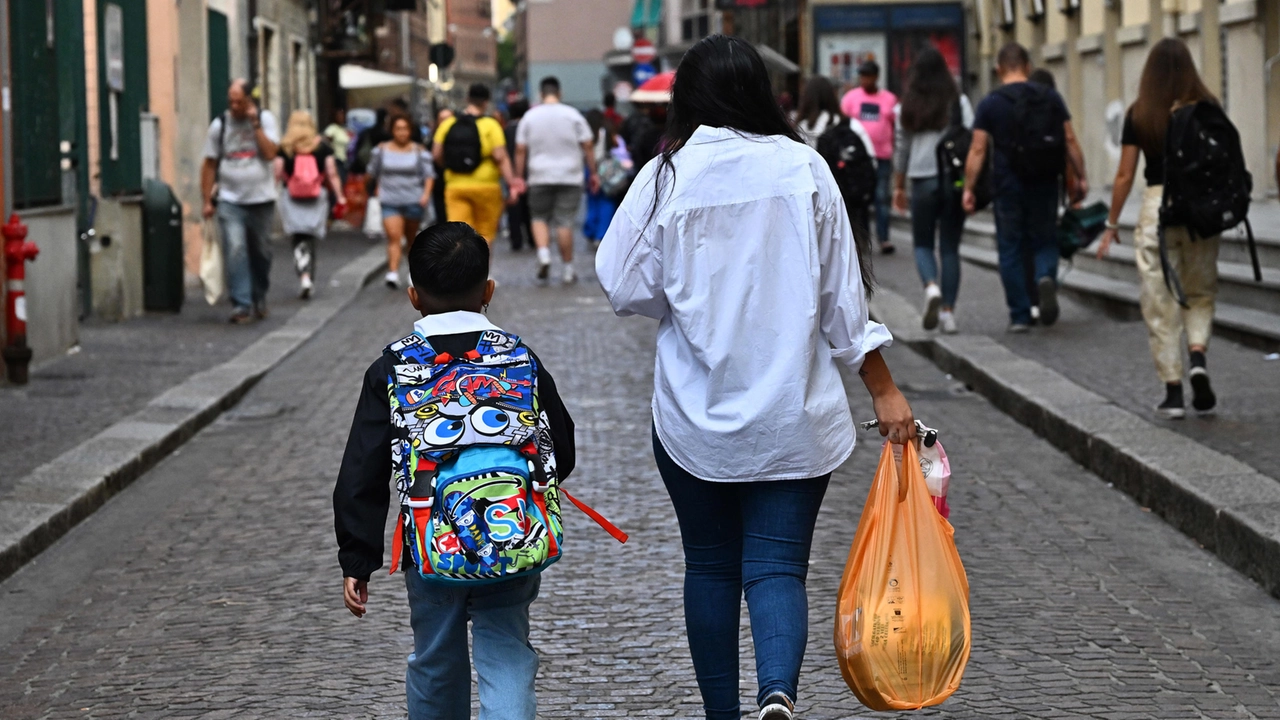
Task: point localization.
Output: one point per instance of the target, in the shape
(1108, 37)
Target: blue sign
(642, 72)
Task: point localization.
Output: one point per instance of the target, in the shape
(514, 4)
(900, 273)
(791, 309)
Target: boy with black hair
(449, 267)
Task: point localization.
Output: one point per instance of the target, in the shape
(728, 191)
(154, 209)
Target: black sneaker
(887, 249)
(241, 316)
(777, 707)
(1202, 397)
(260, 310)
(544, 271)
(1048, 300)
(1172, 408)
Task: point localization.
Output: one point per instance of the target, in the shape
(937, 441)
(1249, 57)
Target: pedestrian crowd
(742, 227)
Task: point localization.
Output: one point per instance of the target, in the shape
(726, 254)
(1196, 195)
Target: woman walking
(404, 173)
(737, 239)
(930, 104)
(1169, 81)
(305, 163)
(819, 109)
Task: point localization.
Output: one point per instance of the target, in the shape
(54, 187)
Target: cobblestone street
(210, 587)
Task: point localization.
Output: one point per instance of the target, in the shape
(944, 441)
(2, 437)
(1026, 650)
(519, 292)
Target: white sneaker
(305, 287)
(948, 321)
(932, 301)
(393, 280)
(777, 707)
(570, 277)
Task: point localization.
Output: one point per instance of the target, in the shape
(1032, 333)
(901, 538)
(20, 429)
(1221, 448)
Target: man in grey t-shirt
(238, 152)
(553, 141)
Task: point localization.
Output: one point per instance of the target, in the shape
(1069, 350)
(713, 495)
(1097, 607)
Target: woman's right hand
(893, 412)
(1110, 235)
(900, 200)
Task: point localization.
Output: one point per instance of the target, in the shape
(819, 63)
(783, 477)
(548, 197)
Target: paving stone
(210, 587)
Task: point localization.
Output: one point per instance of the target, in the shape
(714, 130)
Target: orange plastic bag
(902, 623)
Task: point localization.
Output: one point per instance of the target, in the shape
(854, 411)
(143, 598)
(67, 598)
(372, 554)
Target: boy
(449, 268)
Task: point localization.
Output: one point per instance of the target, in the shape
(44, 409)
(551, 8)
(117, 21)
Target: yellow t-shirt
(487, 173)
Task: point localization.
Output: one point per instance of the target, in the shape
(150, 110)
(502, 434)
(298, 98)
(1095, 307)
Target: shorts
(408, 212)
(555, 204)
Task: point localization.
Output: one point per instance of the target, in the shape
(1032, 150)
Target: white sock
(544, 256)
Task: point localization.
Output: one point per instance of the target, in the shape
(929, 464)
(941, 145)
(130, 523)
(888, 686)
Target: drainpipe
(6, 109)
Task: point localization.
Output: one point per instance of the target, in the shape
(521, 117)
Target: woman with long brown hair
(931, 103)
(1169, 81)
(819, 109)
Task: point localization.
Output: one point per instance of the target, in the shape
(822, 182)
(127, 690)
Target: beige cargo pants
(1196, 262)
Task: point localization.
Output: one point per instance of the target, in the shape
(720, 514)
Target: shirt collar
(452, 323)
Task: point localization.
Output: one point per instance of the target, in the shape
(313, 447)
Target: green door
(219, 63)
(122, 94)
(37, 177)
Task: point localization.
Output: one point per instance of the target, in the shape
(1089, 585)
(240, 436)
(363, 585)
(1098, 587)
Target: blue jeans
(438, 682)
(928, 214)
(1026, 223)
(884, 196)
(246, 251)
(752, 537)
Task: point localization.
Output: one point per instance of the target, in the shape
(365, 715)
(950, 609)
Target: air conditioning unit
(1035, 9)
(1068, 7)
(1008, 16)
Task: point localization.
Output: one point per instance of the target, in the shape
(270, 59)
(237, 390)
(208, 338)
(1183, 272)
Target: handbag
(212, 271)
(373, 218)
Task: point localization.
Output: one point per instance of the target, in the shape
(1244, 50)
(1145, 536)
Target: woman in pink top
(876, 108)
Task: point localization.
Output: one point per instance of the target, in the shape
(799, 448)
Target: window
(695, 19)
(300, 75)
(268, 68)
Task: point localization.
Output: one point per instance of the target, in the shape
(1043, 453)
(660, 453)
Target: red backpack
(306, 182)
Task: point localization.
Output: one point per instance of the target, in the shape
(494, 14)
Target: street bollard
(17, 251)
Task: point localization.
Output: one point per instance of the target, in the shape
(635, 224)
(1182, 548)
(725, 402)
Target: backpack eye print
(474, 463)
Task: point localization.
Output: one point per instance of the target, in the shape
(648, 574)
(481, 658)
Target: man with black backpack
(472, 147)
(1031, 130)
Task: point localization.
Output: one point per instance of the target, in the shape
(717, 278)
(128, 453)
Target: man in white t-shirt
(553, 142)
(238, 152)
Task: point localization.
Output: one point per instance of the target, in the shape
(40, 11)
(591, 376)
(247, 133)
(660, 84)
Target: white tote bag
(373, 218)
(212, 273)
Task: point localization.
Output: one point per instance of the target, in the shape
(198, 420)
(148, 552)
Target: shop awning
(356, 77)
(776, 60)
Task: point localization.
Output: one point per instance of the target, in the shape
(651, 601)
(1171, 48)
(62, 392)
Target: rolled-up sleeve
(846, 322)
(629, 264)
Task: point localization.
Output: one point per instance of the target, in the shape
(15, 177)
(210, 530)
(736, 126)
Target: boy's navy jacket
(363, 492)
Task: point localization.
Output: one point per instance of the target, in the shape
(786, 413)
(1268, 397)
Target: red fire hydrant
(17, 251)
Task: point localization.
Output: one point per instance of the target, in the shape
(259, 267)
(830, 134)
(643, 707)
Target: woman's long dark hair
(722, 82)
(1168, 79)
(931, 91)
(819, 97)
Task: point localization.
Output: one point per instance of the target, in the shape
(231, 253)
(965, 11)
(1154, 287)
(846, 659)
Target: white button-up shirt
(750, 265)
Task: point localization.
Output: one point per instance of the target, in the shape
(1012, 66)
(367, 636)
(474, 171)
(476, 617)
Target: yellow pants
(479, 206)
(1196, 263)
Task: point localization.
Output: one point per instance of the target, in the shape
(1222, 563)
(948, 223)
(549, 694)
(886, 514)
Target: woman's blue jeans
(752, 537)
(929, 213)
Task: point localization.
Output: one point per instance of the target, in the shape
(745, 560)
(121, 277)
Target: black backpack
(851, 163)
(462, 145)
(1037, 147)
(952, 153)
(1207, 186)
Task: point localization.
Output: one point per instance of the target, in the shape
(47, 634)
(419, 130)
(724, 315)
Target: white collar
(707, 134)
(453, 323)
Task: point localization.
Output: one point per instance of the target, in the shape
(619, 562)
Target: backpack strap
(414, 349)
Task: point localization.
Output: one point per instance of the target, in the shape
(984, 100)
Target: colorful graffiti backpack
(474, 462)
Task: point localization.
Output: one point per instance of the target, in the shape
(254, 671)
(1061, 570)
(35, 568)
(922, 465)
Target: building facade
(569, 39)
(137, 84)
